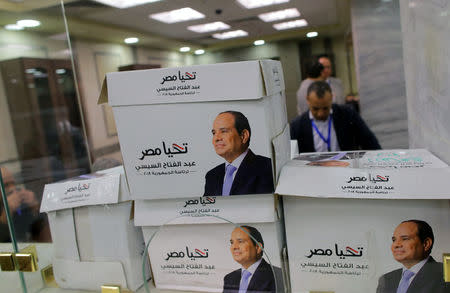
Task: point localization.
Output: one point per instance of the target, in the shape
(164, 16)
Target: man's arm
(213, 179)
(302, 105)
(265, 185)
(364, 136)
(231, 282)
(338, 91)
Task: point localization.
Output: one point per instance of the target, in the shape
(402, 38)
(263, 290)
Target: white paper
(81, 191)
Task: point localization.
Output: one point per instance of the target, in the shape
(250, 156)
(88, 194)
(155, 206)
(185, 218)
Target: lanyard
(328, 139)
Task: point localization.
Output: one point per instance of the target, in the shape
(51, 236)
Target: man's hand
(14, 200)
(28, 198)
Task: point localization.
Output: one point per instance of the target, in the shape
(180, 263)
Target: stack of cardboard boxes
(164, 119)
(337, 210)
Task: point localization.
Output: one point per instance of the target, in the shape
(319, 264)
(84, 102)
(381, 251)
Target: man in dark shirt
(330, 127)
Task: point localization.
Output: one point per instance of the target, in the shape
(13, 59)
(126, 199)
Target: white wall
(426, 51)
(93, 61)
(163, 58)
(378, 52)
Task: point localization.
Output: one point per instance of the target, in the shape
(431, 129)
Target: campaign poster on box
(209, 257)
(344, 245)
(173, 149)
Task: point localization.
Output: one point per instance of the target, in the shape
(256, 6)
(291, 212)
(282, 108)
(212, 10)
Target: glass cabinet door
(41, 137)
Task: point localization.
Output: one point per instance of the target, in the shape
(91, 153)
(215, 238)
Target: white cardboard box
(164, 119)
(389, 174)
(94, 238)
(355, 236)
(342, 210)
(199, 227)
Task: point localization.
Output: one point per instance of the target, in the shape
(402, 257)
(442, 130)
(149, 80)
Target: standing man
(335, 83)
(255, 274)
(329, 127)
(313, 73)
(243, 172)
(411, 246)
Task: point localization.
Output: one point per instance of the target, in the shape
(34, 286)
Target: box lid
(390, 174)
(85, 190)
(197, 83)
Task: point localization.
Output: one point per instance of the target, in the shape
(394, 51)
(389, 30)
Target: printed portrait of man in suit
(411, 246)
(255, 274)
(243, 172)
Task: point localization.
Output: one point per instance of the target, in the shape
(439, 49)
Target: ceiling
(92, 20)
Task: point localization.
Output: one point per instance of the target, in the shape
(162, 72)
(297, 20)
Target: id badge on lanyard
(328, 139)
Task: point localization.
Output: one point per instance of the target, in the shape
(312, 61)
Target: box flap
(294, 148)
(198, 83)
(236, 209)
(103, 98)
(62, 226)
(91, 189)
(390, 174)
(281, 146)
(273, 76)
(124, 192)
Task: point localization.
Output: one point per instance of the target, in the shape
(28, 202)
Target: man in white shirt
(255, 274)
(335, 83)
(411, 246)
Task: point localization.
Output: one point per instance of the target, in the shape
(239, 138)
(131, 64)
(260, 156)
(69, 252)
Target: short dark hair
(424, 231)
(320, 88)
(255, 234)
(240, 123)
(313, 68)
(323, 56)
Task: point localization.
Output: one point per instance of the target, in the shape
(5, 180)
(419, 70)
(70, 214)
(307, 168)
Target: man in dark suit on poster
(255, 275)
(412, 242)
(243, 172)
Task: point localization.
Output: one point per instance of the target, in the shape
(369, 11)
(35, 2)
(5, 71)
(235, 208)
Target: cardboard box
(94, 238)
(389, 174)
(164, 119)
(191, 250)
(344, 245)
(343, 208)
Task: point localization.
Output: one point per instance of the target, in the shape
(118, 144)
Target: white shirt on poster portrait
(236, 163)
(251, 269)
(416, 268)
